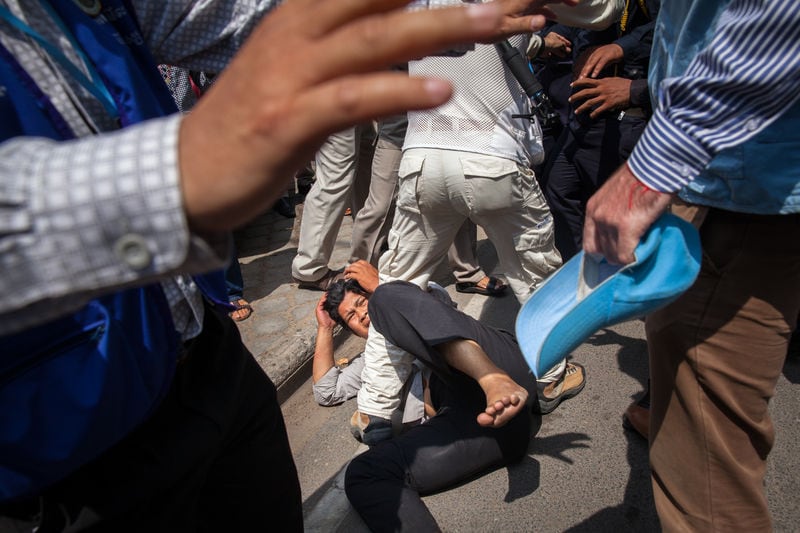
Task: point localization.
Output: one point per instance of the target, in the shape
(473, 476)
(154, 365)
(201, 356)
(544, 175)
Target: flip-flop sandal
(241, 305)
(493, 287)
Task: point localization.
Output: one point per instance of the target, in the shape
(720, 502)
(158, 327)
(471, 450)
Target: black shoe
(323, 283)
(794, 344)
(284, 207)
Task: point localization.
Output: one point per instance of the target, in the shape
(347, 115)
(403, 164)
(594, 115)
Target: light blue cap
(587, 293)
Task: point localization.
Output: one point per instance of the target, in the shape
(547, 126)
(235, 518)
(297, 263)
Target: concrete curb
(281, 332)
(333, 508)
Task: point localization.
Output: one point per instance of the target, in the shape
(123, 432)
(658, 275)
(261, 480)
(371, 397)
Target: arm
(84, 217)
(751, 73)
(339, 384)
(323, 350)
(552, 44)
(332, 385)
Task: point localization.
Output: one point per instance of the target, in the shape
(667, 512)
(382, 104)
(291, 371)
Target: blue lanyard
(94, 84)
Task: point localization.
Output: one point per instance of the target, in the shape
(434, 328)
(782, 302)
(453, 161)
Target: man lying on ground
(473, 391)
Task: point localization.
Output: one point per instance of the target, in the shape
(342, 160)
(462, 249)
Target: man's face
(353, 311)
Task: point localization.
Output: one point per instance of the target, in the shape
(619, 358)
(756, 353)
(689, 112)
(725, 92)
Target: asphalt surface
(583, 471)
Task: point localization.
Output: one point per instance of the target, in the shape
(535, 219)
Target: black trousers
(385, 483)
(213, 457)
(584, 159)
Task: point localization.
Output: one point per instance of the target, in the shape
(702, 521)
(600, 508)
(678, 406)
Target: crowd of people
(128, 399)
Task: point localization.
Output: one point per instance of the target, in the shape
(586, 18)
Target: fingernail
(436, 88)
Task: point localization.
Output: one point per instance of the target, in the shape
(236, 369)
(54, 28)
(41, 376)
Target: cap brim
(587, 294)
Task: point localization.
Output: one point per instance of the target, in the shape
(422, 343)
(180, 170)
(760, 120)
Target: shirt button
(753, 124)
(686, 171)
(132, 250)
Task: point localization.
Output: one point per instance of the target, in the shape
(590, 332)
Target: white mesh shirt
(478, 118)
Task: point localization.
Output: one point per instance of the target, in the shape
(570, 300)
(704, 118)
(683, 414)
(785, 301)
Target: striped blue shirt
(738, 85)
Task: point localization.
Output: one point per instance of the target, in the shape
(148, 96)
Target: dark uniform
(589, 150)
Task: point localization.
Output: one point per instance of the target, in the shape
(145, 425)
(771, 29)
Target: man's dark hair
(335, 295)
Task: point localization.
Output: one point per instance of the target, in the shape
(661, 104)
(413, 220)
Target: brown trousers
(715, 358)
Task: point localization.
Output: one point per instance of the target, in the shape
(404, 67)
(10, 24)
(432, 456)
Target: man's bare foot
(504, 397)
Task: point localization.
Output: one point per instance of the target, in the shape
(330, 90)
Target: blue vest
(759, 176)
(73, 387)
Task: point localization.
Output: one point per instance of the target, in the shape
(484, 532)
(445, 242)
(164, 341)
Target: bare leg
(504, 397)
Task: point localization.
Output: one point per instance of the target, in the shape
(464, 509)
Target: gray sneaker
(568, 385)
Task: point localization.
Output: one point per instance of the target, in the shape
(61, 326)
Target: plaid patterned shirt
(86, 217)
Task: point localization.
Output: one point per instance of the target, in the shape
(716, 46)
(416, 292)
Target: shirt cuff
(106, 212)
(535, 46)
(639, 94)
(665, 158)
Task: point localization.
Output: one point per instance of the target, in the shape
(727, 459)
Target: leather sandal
(494, 287)
(243, 310)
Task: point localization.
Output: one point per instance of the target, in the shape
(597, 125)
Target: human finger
(583, 83)
(589, 66)
(275, 137)
(378, 41)
(582, 95)
(563, 39)
(353, 270)
(590, 237)
(516, 25)
(595, 67)
(603, 106)
(529, 7)
(588, 105)
(329, 15)
(606, 55)
(602, 238)
(619, 213)
(332, 106)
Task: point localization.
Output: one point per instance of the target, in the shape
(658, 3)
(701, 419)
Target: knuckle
(371, 35)
(348, 95)
(271, 114)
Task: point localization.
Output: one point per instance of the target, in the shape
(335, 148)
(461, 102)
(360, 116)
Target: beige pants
(438, 191)
(342, 177)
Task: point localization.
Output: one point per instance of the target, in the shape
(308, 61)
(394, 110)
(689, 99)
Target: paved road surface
(583, 472)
